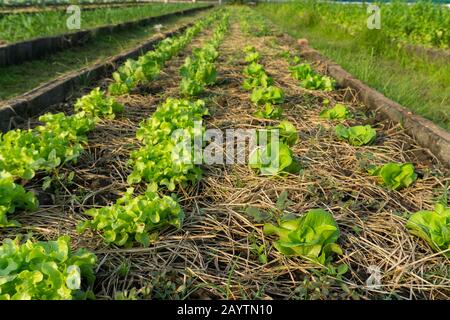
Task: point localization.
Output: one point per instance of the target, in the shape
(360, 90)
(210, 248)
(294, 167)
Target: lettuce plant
(301, 71)
(433, 227)
(12, 197)
(198, 70)
(59, 140)
(267, 95)
(309, 79)
(252, 57)
(256, 77)
(196, 74)
(395, 176)
(62, 138)
(125, 78)
(273, 162)
(263, 80)
(317, 82)
(97, 104)
(154, 162)
(268, 111)
(312, 236)
(357, 135)
(132, 219)
(286, 131)
(19, 154)
(44, 270)
(338, 112)
(266, 98)
(253, 70)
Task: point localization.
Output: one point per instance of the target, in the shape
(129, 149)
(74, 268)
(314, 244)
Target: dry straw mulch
(213, 256)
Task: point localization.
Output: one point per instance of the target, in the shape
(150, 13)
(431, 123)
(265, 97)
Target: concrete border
(425, 132)
(431, 53)
(34, 102)
(19, 52)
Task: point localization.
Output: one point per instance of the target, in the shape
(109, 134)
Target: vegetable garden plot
(221, 250)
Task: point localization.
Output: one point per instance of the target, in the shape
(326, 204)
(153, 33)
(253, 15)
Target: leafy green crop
(256, 76)
(273, 162)
(254, 69)
(286, 131)
(252, 57)
(309, 79)
(357, 135)
(266, 98)
(97, 104)
(18, 154)
(395, 176)
(269, 112)
(61, 139)
(148, 67)
(433, 227)
(44, 270)
(267, 95)
(134, 218)
(301, 71)
(338, 112)
(196, 74)
(318, 82)
(262, 81)
(13, 196)
(198, 71)
(312, 236)
(154, 161)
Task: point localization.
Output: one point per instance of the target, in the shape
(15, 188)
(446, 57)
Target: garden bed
(219, 250)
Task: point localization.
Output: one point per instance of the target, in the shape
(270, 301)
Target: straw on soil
(212, 256)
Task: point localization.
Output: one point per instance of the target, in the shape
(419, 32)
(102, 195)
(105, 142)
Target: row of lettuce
(50, 269)
(137, 219)
(314, 234)
(61, 138)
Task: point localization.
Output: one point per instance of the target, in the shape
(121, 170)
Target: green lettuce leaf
(433, 227)
(357, 135)
(395, 176)
(312, 236)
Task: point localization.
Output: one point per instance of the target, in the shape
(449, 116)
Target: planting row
(294, 237)
(132, 218)
(23, 152)
(61, 139)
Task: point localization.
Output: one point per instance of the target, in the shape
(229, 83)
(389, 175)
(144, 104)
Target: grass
(18, 79)
(23, 3)
(418, 83)
(18, 27)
